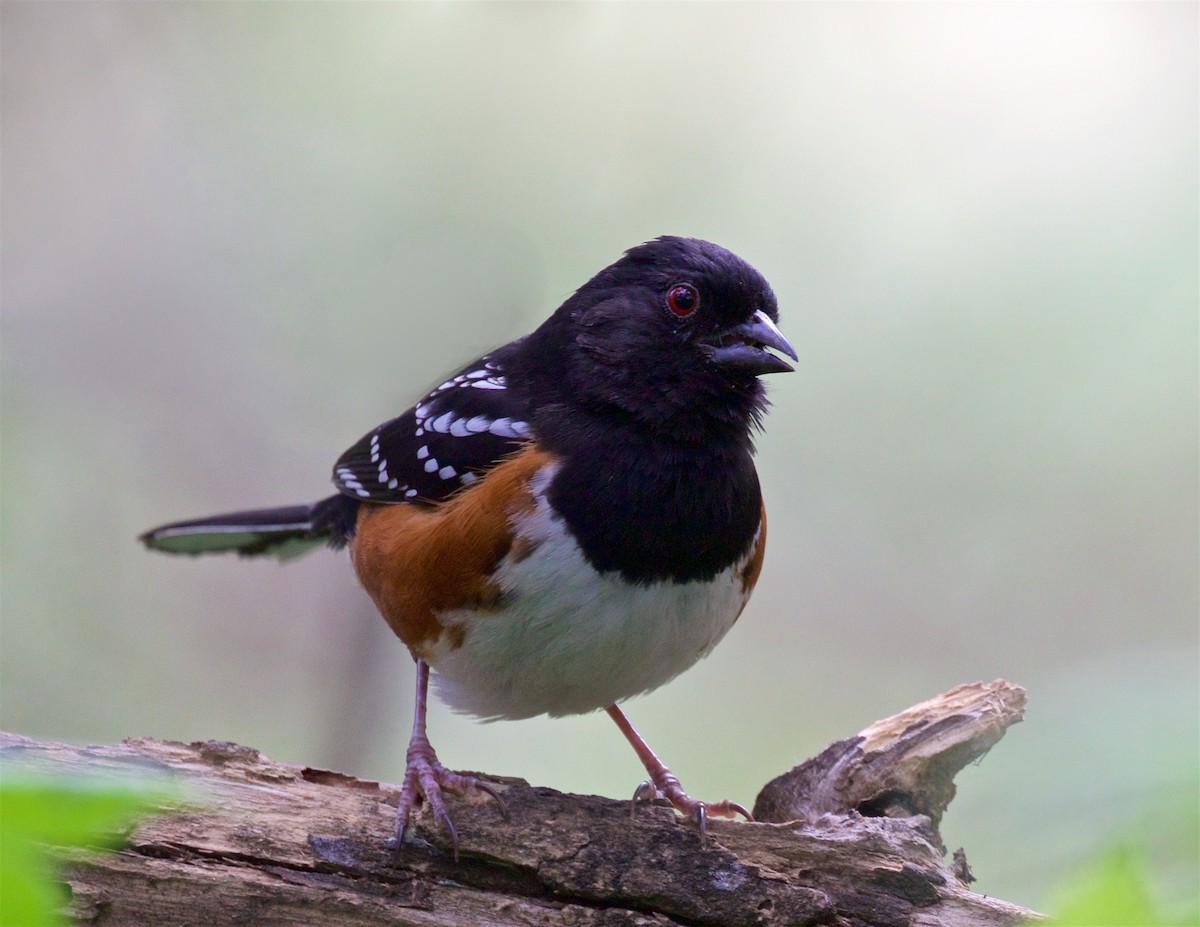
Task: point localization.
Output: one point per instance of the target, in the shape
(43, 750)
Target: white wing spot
(447, 473)
(409, 493)
(393, 483)
(348, 480)
(442, 422)
(422, 452)
(507, 428)
(468, 478)
(459, 428)
(431, 464)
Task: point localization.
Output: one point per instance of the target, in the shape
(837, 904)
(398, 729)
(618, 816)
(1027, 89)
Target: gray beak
(744, 347)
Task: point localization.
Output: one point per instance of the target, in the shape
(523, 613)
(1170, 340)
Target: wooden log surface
(849, 839)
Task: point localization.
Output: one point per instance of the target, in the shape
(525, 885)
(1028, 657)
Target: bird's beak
(743, 347)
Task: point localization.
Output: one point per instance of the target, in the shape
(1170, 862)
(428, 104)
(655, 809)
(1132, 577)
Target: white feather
(570, 640)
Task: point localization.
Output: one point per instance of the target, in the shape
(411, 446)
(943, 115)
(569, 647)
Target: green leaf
(1112, 891)
(39, 812)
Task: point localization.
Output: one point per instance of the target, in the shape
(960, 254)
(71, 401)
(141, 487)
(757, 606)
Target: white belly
(567, 640)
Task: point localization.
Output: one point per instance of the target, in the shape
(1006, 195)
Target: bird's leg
(425, 776)
(662, 782)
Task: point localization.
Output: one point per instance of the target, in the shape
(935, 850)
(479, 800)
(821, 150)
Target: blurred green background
(237, 236)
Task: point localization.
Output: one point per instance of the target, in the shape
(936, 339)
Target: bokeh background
(237, 236)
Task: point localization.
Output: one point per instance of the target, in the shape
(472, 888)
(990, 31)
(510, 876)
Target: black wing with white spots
(459, 429)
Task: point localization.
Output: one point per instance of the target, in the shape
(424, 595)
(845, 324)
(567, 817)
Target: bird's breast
(494, 590)
(567, 638)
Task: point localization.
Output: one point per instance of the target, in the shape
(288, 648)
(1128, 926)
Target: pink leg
(425, 777)
(663, 783)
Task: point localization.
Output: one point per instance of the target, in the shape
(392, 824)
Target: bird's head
(674, 334)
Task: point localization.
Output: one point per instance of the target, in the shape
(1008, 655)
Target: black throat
(650, 508)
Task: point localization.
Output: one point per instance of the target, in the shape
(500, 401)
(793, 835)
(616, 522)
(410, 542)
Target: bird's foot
(663, 784)
(425, 778)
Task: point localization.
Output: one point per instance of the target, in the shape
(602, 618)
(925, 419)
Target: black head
(673, 335)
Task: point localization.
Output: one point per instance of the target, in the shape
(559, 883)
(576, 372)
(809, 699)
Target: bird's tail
(284, 533)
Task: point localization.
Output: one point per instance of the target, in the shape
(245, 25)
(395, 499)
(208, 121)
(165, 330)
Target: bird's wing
(461, 428)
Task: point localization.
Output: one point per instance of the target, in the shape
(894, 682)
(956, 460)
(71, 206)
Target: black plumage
(645, 384)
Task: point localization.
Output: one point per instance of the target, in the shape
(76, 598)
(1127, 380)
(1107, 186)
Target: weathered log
(267, 843)
(901, 766)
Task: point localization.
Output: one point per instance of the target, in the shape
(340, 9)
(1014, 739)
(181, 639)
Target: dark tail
(284, 533)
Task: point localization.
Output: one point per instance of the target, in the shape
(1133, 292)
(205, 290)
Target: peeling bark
(267, 843)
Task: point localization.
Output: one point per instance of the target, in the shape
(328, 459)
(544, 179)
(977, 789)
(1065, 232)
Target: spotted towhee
(572, 519)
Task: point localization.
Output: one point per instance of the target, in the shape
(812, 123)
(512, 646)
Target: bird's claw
(689, 807)
(644, 792)
(425, 778)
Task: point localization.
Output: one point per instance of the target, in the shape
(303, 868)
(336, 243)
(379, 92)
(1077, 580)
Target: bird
(568, 521)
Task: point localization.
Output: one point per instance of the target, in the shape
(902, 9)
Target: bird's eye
(683, 299)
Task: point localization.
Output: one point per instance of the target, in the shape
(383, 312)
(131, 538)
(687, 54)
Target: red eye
(683, 300)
